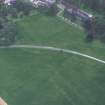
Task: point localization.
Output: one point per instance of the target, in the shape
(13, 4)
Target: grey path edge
(55, 49)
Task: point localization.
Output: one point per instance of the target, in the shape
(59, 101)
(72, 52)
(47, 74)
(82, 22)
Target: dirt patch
(2, 102)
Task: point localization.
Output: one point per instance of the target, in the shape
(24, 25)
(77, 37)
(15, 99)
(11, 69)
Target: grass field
(39, 77)
(51, 31)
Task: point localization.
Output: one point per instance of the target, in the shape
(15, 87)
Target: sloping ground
(50, 31)
(37, 77)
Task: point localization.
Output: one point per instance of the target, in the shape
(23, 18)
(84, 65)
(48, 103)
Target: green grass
(39, 77)
(51, 31)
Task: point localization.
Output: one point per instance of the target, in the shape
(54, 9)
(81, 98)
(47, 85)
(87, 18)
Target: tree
(95, 5)
(52, 10)
(100, 28)
(1, 25)
(7, 33)
(70, 15)
(22, 6)
(89, 29)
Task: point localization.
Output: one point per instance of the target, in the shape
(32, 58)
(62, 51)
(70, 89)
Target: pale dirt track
(57, 50)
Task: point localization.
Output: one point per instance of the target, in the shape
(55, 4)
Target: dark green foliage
(69, 15)
(8, 30)
(6, 10)
(7, 27)
(7, 33)
(73, 17)
(53, 10)
(95, 5)
(1, 26)
(3, 11)
(89, 37)
(49, 11)
(100, 28)
(24, 7)
(88, 26)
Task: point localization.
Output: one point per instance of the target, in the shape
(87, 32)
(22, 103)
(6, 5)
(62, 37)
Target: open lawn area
(42, 77)
(39, 77)
(51, 31)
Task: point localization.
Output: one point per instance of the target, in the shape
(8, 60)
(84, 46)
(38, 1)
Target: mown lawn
(39, 77)
(51, 31)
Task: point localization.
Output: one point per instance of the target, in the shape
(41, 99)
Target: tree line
(8, 29)
(96, 28)
(95, 5)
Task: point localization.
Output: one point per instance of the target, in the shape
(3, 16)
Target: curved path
(56, 49)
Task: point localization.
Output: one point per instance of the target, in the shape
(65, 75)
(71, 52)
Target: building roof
(42, 2)
(78, 12)
(8, 1)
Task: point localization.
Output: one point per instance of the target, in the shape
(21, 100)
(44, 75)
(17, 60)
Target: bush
(7, 33)
(22, 6)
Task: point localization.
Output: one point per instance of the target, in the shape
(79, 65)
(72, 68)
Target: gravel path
(57, 50)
